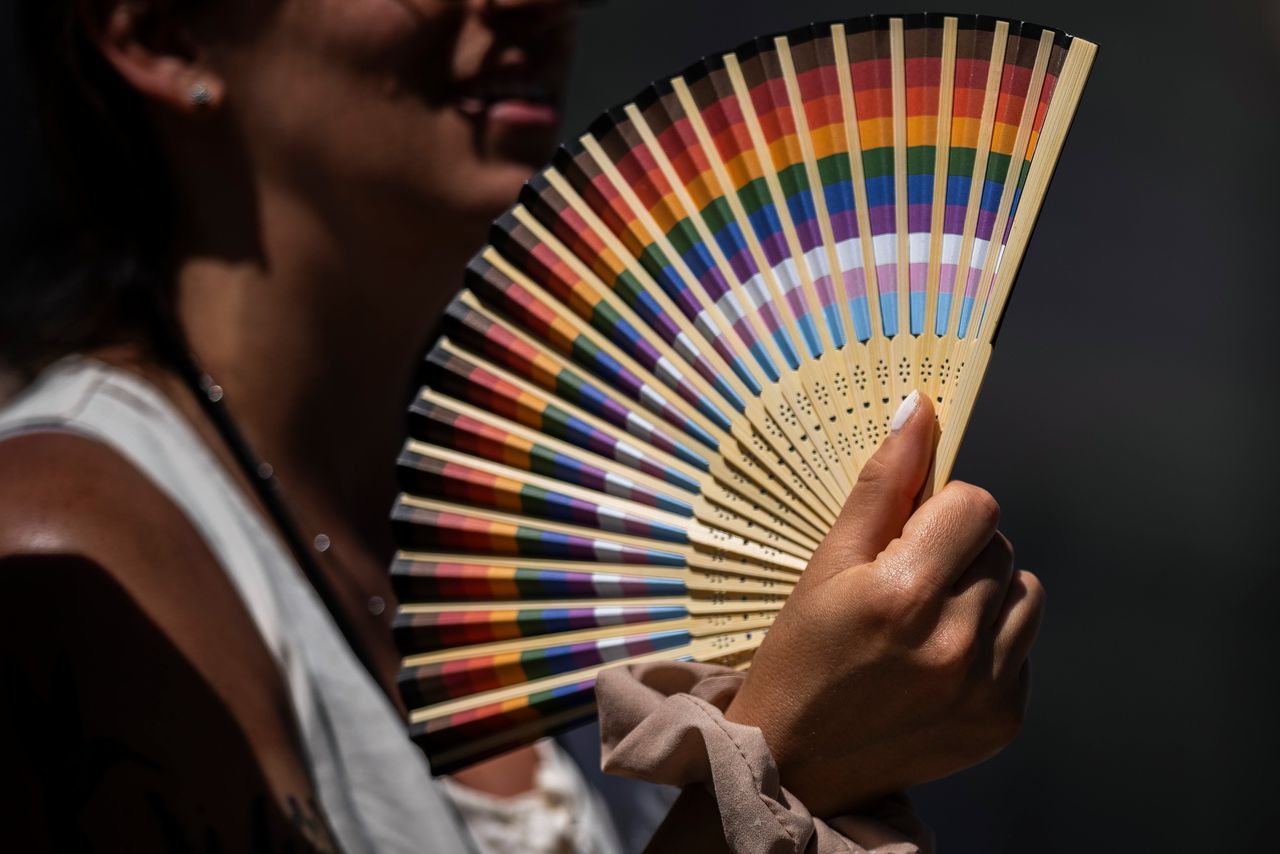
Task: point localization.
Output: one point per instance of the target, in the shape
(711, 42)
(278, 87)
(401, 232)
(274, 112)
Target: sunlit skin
(346, 165)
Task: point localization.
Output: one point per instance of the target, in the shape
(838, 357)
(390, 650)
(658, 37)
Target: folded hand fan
(678, 349)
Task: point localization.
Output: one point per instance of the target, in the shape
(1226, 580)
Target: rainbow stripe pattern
(681, 345)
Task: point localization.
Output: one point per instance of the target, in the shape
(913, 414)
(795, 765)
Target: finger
(1017, 625)
(884, 496)
(942, 540)
(979, 594)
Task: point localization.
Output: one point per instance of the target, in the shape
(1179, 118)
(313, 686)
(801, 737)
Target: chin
(497, 190)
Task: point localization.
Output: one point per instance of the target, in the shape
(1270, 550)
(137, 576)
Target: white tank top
(373, 783)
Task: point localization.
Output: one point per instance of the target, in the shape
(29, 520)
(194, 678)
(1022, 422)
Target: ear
(146, 44)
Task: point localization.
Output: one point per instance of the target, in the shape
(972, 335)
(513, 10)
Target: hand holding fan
(669, 365)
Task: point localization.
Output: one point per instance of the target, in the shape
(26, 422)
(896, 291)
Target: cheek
(343, 105)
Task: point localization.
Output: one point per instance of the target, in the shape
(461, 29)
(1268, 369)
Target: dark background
(1124, 426)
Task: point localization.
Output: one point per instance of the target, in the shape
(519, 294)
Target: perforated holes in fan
(904, 370)
(822, 394)
(855, 437)
(712, 554)
(860, 377)
(805, 408)
(728, 517)
(776, 462)
(713, 577)
(840, 382)
(828, 452)
(876, 433)
(775, 433)
(882, 380)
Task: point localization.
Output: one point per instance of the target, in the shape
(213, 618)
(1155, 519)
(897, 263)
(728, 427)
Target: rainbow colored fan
(678, 350)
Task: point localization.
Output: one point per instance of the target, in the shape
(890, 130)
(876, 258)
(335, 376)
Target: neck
(316, 347)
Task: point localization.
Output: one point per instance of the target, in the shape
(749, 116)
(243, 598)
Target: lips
(510, 100)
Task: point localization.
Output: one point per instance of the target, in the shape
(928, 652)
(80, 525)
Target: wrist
(828, 785)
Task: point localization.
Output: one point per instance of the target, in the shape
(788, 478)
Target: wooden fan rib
(1003, 283)
(689, 212)
(515, 444)
(908, 346)
(599, 185)
(788, 403)
(568, 368)
(452, 749)
(497, 282)
(690, 604)
(701, 650)
(512, 648)
(531, 396)
(500, 485)
(798, 467)
(427, 684)
(675, 352)
(735, 166)
(471, 324)
(462, 478)
(995, 68)
(640, 549)
(1017, 155)
(871, 370)
(855, 428)
(725, 163)
(717, 494)
(1062, 107)
(696, 574)
(819, 467)
(823, 421)
(801, 294)
(603, 474)
(942, 152)
(534, 400)
(597, 341)
(865, 360)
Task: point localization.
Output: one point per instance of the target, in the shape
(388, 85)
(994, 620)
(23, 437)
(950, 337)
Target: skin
(331, 191)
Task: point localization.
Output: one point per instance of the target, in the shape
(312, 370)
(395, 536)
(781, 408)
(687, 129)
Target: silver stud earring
(200, 95)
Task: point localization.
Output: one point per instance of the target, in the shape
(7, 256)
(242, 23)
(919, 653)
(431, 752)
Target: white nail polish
(905, 411)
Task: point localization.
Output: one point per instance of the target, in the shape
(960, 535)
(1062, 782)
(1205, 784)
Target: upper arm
(139, 707)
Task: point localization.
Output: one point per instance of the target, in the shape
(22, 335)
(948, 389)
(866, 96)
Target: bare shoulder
(70, 502)
(64, 493)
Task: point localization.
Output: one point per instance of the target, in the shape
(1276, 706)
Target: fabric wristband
(664, 723)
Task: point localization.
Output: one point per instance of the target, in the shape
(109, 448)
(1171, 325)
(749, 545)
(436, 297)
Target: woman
(268, 204)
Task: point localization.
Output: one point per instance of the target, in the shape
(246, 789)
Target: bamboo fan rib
(682, 344)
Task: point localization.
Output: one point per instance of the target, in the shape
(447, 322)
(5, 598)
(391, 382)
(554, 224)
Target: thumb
(885, 495)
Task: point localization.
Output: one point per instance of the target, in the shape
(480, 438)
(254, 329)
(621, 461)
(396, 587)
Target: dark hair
(88, 264)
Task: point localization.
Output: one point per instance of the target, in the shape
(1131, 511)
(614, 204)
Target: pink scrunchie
(664, 723)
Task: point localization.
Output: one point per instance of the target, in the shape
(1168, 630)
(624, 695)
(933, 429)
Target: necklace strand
(262, 476)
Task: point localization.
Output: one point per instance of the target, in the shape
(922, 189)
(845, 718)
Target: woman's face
(394, 113)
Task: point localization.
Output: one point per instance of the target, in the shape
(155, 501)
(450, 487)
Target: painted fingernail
(907, 408)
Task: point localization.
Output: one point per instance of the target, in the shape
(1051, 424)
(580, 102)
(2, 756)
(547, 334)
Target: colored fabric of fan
(668, 366)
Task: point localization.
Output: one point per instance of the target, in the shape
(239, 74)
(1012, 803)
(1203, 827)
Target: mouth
(515, 97)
